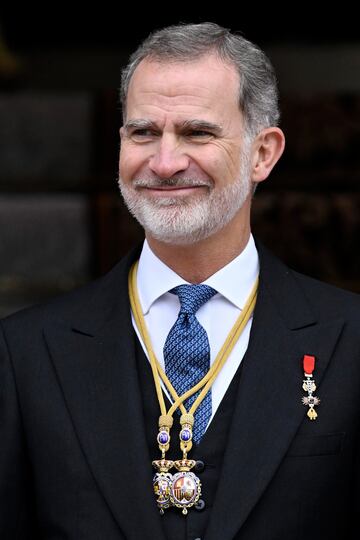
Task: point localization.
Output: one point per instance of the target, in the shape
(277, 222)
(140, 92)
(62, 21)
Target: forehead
(207, 84)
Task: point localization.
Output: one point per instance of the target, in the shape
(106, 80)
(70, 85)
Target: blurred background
(62, 221)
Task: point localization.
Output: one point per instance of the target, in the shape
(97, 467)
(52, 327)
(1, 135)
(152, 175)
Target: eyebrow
(139, 124)
(201, 125)
(198, 125)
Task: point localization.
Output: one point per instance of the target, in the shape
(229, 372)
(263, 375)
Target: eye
(200, 134)
(142, 133)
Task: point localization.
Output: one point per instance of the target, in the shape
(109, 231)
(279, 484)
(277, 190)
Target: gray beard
(187, 220)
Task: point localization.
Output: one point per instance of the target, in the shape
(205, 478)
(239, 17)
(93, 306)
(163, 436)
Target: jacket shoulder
(290, 288)
(330, 298)
(89, 298)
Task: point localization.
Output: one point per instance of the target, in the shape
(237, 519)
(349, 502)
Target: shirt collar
(234, 281)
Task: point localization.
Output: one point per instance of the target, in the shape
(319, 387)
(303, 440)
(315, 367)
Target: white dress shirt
(160, 308)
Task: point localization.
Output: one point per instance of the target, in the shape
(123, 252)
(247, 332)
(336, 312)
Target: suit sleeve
(354, 524)
(17, 509)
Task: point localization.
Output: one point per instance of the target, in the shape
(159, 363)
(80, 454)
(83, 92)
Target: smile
(172, 191)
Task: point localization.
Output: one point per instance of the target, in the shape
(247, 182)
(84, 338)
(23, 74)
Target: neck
(198, 261)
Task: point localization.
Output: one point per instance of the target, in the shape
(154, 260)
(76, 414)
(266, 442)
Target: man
(79, 405)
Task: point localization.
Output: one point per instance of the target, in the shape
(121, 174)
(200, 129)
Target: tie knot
(192, 297)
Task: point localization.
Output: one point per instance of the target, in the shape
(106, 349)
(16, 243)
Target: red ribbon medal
(309, 386)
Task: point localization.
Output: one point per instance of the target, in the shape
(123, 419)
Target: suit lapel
(269, 409)
(95, 362)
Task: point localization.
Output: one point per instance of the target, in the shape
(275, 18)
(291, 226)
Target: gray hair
(258, 93)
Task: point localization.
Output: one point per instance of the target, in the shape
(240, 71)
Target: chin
(181, 237)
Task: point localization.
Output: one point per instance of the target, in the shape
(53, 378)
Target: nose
(169, 159)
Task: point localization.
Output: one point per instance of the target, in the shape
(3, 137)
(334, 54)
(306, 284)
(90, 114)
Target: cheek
(130, 162)
(122, 165)
(208, 160)
(221, 163)
(216, 167)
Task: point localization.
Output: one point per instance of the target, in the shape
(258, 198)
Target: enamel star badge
(309, 386)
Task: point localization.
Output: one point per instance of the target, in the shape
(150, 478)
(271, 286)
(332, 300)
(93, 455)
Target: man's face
(184, 165)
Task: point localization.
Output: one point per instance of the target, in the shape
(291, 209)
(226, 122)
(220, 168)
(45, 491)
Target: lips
(172, 191)
(172, 188)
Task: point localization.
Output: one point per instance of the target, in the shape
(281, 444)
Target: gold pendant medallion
(186, 487)
(162, 483)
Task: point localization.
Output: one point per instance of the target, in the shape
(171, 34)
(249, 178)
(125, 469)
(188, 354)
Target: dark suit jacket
(74, 462)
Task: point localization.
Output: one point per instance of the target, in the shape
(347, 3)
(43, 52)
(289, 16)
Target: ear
(267, 149)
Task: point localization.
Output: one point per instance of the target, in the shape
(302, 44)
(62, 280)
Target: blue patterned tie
(187, 352)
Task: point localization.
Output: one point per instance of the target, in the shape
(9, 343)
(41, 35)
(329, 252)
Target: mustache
(171, 182)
